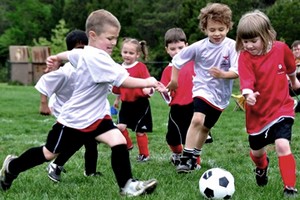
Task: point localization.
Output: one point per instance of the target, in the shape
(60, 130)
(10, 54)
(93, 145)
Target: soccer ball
(217, 183)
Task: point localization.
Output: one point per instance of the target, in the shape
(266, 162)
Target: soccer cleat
(188, 167)
(262, 175)
(290, 192)
(136, 188)
(142, 158)
(93, 174)
(175, 159)
(209, 138)
(54, 172)
(6, 178)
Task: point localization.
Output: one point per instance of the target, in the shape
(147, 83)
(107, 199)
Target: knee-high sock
(121, 164)
(287, 166)
(127, 137)
(142, 141)
(176, 149)
(29, 159)
(260, 162)
(91, 156)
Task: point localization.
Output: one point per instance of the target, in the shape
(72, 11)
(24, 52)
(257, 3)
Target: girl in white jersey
(215, 68)
(87, 112)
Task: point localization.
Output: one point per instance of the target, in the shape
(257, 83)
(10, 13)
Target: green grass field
(21, 127)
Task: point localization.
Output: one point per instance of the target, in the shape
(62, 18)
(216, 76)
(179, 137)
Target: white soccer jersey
(58, 86)
(206, 55)
(95, 74)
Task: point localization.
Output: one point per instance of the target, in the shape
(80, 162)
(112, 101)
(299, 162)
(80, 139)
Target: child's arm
(131, 82)
(54, 61)
(173, 85)
(117, 101)
(294, 82)
(218, 73)
(44, 109)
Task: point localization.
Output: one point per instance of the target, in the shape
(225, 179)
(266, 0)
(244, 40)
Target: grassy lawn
(21, 127)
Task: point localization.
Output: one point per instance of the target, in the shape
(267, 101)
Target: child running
(263, 66)
(135, 112)
(215, 66)
(87, 112)
(58, 85)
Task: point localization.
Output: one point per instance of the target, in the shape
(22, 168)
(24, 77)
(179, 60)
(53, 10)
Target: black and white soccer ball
(217, 183)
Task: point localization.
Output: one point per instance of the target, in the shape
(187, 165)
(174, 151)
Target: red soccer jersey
(266, 74)
(183, 94)
(132, 94)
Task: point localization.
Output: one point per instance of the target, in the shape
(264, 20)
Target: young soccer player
(181, 102)
(87, 112)
(215, 68)
(58, 86)
(135, 112)
(263, 66)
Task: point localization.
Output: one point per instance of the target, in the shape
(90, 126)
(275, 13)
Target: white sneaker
(137, 188)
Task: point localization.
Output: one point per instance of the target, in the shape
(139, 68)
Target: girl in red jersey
(135, 112)
(263, 65)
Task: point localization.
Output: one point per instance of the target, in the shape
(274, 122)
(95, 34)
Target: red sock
(128, 139)
(287, 166)
(142, 141)
(260, 162)
(176, 149)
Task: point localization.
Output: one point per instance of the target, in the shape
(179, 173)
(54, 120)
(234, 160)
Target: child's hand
(44, 109)
(172, 86)
(53, 63)
(148, 91)
(216, 72)
(296, 85)
(161, 87)
(251, 98)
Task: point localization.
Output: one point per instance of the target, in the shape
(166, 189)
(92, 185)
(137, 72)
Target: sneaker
(93, 174)
(7, 178)
(142, 158)
(187, 167)
(175, 159)
(262, 175)
(137, 188)
(290, 192)
(209, 138)
(54, 172)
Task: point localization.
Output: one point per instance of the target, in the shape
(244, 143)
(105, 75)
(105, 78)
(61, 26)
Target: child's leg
(124, 131)
(142, 141)
(91, 156)
(286, 162)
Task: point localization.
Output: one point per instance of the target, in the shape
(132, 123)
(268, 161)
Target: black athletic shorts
(282, 129)
(211, 114)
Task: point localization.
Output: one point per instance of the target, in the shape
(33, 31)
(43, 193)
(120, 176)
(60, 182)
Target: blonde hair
(216, 12)
(255, 24)
(141, 46)
(98, 19)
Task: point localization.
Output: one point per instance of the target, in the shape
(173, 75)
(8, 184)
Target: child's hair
(296, 43)
(141, 46)
(76, 39)
(217, 12)
(255, 24)
(98, 19)
(175, 35)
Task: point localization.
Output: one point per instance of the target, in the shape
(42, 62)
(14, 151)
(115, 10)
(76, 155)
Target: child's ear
(92, 35)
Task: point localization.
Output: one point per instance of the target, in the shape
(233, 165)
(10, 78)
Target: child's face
(216, 31)
(296, 51)
(129, 53)
(174, 47)
(254, 46)
(106, 40)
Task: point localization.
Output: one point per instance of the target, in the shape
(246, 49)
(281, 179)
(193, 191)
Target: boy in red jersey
(135, 112)
(181, 101)
(263, 65)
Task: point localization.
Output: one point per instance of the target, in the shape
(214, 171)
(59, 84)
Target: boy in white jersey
(59, 85)
(215, 66)
(87, 112)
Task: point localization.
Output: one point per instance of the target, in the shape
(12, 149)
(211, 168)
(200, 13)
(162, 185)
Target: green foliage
(57, 43)
(22, 127)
